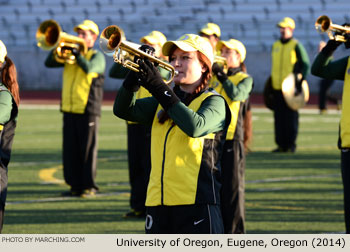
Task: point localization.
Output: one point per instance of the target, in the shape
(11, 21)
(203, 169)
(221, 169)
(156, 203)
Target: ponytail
(9, 78)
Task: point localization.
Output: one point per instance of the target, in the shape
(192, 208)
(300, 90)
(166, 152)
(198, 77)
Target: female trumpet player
(189, 125)
(139, 135)
(325, 67)
(9, 101)
(235, 86)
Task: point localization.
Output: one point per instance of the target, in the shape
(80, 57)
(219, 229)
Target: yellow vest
(234, 105)
(345, 119)
(284, 58)
(76, 87)
(177, 160)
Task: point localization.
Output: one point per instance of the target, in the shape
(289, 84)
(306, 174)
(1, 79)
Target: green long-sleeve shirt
(210, 117)
(96, 64)
(5, 106)
(324, 67)
(239, 92)
(303, 61)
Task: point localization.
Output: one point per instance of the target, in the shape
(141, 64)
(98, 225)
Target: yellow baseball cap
(211, 29)
(235, 45)
(155, 37)
(190, 43)
(3, 52)
(287, 22)
(87, 25)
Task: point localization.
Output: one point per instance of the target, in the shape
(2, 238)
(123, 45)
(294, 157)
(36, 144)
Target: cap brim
(83, 27)
(207, 31)
(149, 39)
(169, 45)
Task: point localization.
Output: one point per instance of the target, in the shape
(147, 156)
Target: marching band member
(325, 67)
(235, 86)
(9, 102)
(212, 32)
(82, 94)
(139, 135)
(189, 125)
(288, 56)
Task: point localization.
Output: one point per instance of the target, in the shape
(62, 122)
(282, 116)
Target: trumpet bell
(113, 43)
(110, 39)
(50, 36)
(323, 23)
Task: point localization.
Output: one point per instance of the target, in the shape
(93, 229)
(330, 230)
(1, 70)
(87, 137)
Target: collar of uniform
(233, 71)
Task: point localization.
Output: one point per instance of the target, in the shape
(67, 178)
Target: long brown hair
(204, 84)
(9, 78)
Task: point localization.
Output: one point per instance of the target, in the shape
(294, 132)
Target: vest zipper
(162, 176)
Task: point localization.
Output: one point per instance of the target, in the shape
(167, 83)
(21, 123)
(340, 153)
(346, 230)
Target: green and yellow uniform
(81, 101)
(8, 122)
(288, 56)
(325, 67)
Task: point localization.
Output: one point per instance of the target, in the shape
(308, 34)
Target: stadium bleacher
(251, 21)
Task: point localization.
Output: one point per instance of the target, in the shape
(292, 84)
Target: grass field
(285, 193)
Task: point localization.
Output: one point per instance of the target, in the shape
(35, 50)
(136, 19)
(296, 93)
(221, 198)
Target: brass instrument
(124, 52)
(220, 60)
(49, 36)
(324, 24)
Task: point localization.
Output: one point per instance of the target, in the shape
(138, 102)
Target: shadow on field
(33, 155)
(294, 193)
(297, 160)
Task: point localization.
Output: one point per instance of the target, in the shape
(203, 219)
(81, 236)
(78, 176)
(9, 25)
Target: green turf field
(285, 193)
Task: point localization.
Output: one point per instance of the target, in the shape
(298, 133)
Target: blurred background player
(288, 56)
(81, 101)
(212, 32)
(9, 102)
(139, 135)
(235, 86)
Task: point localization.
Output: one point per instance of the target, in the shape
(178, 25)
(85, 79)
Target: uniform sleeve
(210, 117)
(127, 107)
(5, 107)
(324, 67)
(51, 61)
(117, 71)
(97, 63)
(303, 60)
(239, 92)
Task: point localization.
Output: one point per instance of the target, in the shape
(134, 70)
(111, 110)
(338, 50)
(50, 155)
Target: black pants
(6, 140)
(139, 156)
(286, 123)
(323, 94)
(233, 187)
(345, 171)
(80, 150)
(185, 219)
(3, 192)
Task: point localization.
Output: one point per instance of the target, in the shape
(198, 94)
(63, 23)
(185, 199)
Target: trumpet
(324, 24)
(49, 36)
(220, 60)
(124, 52)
